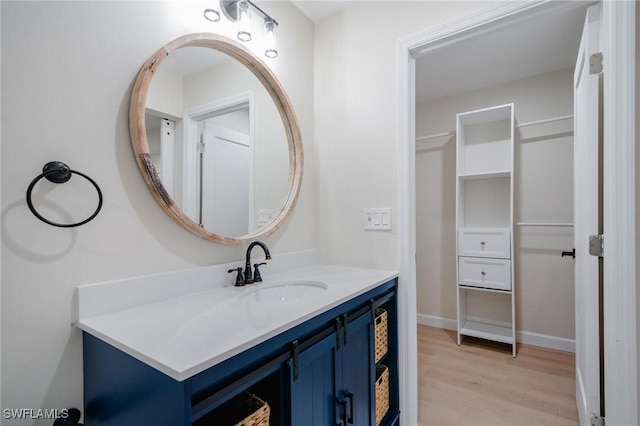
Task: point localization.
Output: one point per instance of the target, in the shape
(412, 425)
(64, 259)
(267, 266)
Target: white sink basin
(285, 291)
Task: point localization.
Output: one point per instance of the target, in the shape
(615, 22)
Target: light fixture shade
(271, 50)
(244, 20)
(212, 15)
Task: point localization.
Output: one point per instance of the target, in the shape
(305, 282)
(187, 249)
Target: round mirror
(216, 139)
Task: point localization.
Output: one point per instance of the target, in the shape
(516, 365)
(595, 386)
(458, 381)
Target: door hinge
(596, 245)
(201, 146)
(597, 420)
(595, 63)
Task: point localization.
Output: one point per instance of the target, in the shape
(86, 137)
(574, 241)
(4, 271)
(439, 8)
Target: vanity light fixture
(271, 50)
(240, 11)
(244, 20)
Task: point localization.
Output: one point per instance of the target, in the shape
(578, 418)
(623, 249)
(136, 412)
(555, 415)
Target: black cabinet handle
(351, 418)
(571, 253)
(343, 403)
(296, 360)
(338, 326)
(346, 335)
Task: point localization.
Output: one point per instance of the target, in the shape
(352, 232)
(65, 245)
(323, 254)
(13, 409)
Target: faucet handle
(239, 277)
(256, 274)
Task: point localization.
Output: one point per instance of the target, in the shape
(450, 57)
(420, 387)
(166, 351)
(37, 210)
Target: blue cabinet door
(356, 355)
(313, 389)
(333, 386)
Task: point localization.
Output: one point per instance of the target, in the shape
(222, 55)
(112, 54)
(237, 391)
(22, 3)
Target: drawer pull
(483, 273)
(482, 243)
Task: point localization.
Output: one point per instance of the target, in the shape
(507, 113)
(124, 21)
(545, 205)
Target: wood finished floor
(479, 383)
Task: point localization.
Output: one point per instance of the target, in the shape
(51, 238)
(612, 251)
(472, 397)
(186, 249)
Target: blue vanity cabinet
(357, 368)
(320, 372)
(120, 390)
(313, 384)
(331, 380)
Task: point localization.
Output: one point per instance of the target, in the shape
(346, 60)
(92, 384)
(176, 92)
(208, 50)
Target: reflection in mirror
(217, 141)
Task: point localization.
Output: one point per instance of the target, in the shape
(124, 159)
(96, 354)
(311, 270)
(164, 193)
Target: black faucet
(248, 276)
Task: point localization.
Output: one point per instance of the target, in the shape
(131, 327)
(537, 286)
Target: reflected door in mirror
(226, 190)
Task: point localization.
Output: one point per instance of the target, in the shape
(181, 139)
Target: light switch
(264, 215)
(377, 218)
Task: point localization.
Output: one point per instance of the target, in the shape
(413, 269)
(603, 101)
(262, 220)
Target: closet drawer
(484, 242)
(484, 273)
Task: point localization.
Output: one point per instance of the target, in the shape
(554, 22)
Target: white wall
(357, 132)
(68, 70)
(638, 188)
(543, 193)
(165, 95)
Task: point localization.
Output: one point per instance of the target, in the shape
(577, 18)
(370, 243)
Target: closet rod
(530, 123)
(435, 135)
(546, 224)
(546, 120)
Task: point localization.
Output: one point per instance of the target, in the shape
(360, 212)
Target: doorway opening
(491, 21)
(529, 64)
(523, 212)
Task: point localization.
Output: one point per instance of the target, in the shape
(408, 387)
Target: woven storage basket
(381, 334)
(382, 392)
(245, 409)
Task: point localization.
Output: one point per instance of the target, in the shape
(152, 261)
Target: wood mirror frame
(137, 127)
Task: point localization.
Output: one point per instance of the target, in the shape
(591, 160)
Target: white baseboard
(525, 337)
(437, 322)
(546, 341)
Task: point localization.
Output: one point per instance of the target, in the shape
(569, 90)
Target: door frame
(620, 310)
(191, 117)
(618, 41)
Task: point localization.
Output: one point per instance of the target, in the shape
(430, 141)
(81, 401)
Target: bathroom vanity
(173, 349)
(304, 341)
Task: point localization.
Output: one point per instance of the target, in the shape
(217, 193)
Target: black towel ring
(58, 172)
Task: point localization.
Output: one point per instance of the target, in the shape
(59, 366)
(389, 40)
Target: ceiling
(317, 10)
(190, 60)
(538, 45)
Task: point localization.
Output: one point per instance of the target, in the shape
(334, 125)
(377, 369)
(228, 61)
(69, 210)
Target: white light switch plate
(377, 218)
(264, 215)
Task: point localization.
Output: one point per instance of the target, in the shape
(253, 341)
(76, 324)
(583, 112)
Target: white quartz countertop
(184, 335)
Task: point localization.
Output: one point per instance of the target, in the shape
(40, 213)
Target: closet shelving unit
(484, 223)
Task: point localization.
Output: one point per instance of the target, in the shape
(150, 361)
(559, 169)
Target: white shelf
(486, 175)
(486, 115)
(492, 290)
(487, 331)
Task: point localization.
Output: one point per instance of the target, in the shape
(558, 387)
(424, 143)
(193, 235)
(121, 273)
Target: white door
(587, 199)
(226, 176)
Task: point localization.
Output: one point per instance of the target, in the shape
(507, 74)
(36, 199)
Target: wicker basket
(381, 334)
(245, 409)
(382, 392)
